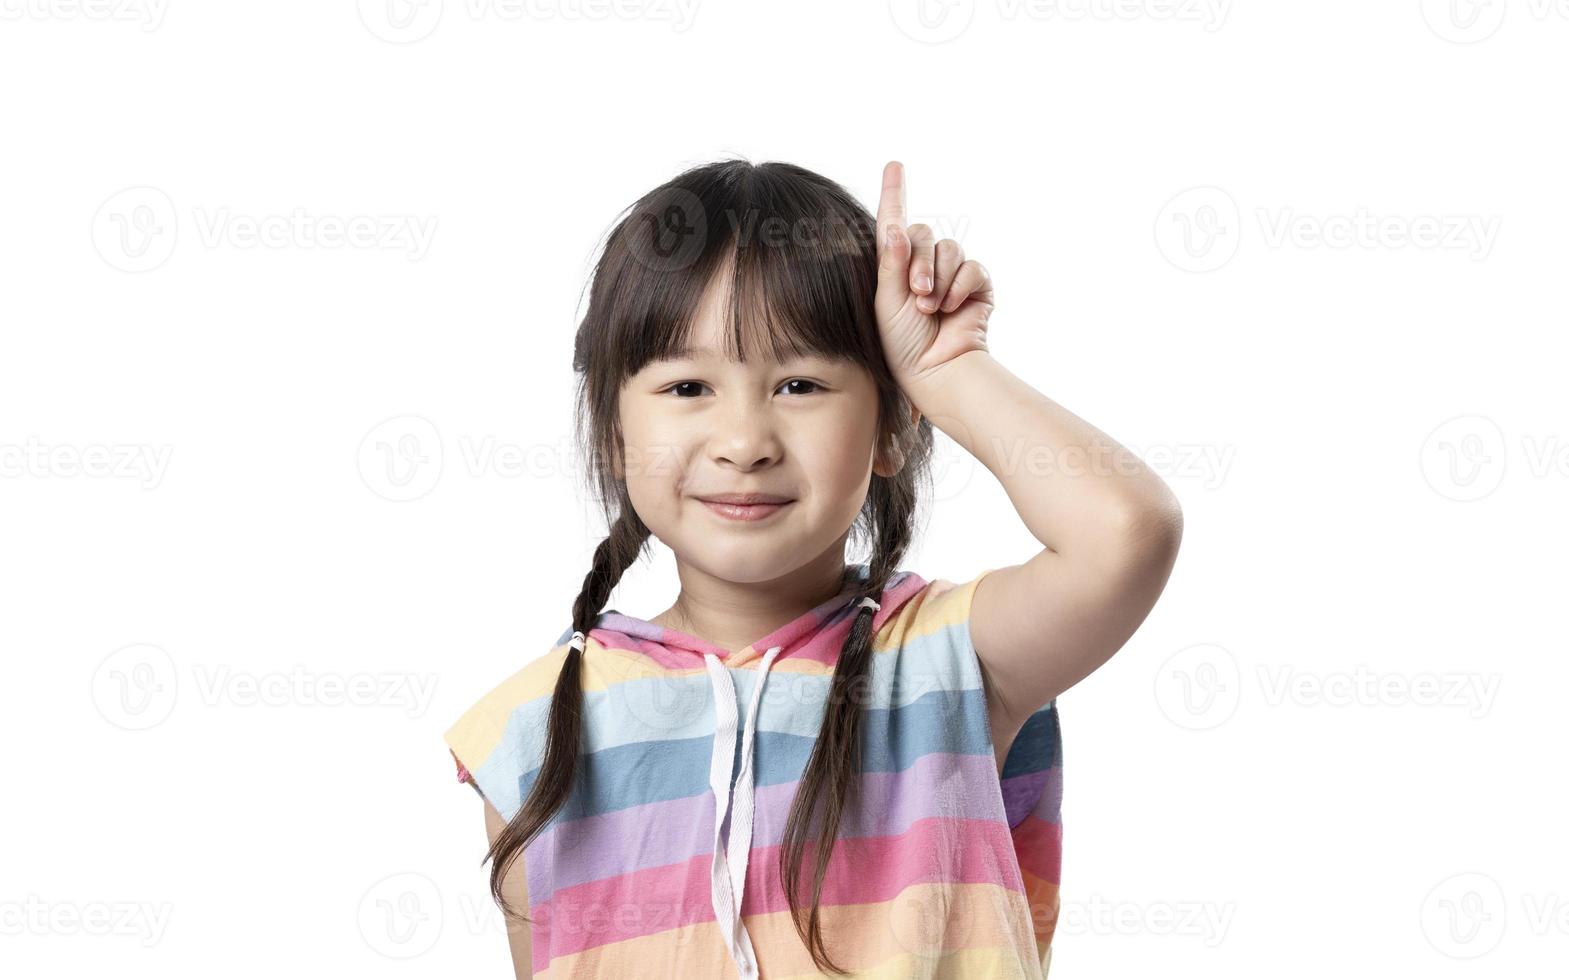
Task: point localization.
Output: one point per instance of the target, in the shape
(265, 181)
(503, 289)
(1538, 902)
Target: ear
(888, 460)
(618, 451)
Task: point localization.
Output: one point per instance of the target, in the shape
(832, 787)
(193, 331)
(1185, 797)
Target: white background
(1368, 439)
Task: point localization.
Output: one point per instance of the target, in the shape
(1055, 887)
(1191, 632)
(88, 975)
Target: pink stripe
(938, 784)
(860, 871)
(666, 657)
(1039, 846)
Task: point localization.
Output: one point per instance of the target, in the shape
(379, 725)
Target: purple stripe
(656, 834)
(1020, 793)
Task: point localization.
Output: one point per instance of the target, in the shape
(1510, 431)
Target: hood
(818, 633)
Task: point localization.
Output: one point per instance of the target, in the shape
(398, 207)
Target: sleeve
(1032, 795)
(497, 745)
(1031, 778)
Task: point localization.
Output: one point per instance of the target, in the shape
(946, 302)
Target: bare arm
(514, 886)
(1110, 529)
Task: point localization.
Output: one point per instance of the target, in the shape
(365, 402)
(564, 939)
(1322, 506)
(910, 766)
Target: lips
(745, 506)
(743, 498)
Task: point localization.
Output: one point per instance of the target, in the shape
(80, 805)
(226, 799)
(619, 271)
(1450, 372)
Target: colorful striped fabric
(941, 870)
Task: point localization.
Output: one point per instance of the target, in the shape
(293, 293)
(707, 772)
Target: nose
(745, 436)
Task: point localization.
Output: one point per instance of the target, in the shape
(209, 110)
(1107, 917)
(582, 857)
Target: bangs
(795, 265)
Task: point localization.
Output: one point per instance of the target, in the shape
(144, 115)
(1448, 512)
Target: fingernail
(923, 281)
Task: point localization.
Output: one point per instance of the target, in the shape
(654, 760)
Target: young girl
(805, 766)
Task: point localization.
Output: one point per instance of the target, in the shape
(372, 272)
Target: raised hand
(932, 303)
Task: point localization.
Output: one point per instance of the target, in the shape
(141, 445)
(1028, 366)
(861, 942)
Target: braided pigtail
(564, 736)
(831, 776)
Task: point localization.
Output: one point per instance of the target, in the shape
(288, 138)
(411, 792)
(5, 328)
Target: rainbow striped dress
(664, 860)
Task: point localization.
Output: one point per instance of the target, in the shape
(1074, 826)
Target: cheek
(840, 459)
(652, 453)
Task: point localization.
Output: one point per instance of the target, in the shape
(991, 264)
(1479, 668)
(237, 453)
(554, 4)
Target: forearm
(1071, 483)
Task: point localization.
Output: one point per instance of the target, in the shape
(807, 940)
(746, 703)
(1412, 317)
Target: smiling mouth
(744, 512)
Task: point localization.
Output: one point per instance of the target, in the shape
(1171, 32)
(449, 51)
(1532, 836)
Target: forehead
(711, 333)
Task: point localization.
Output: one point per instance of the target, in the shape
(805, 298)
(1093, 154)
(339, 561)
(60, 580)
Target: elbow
(1150, 531)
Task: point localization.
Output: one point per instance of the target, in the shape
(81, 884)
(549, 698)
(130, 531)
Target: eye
(811, 387)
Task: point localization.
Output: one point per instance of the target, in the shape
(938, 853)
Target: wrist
(932, 391)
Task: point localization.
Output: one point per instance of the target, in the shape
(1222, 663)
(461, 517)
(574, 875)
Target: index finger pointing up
(890, 207)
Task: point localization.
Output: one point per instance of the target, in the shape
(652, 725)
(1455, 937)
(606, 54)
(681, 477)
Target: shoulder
(500, 736)
(939, 606)
(925, 644)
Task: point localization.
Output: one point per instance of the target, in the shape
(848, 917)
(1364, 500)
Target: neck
(734, 614)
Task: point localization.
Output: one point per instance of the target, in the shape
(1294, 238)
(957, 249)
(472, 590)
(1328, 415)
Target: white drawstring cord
(727, 872)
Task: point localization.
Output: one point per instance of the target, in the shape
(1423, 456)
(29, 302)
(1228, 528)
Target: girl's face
(804, 430)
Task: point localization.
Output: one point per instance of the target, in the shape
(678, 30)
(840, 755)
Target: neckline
(900, 586)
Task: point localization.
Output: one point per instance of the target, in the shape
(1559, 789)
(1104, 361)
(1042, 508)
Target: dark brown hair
(801, 254)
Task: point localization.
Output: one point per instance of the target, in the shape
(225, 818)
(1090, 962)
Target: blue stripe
(1037, 746)
(662, 706)
(670, 769)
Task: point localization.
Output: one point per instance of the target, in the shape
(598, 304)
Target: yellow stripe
(1045, 904)
(962, 932)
